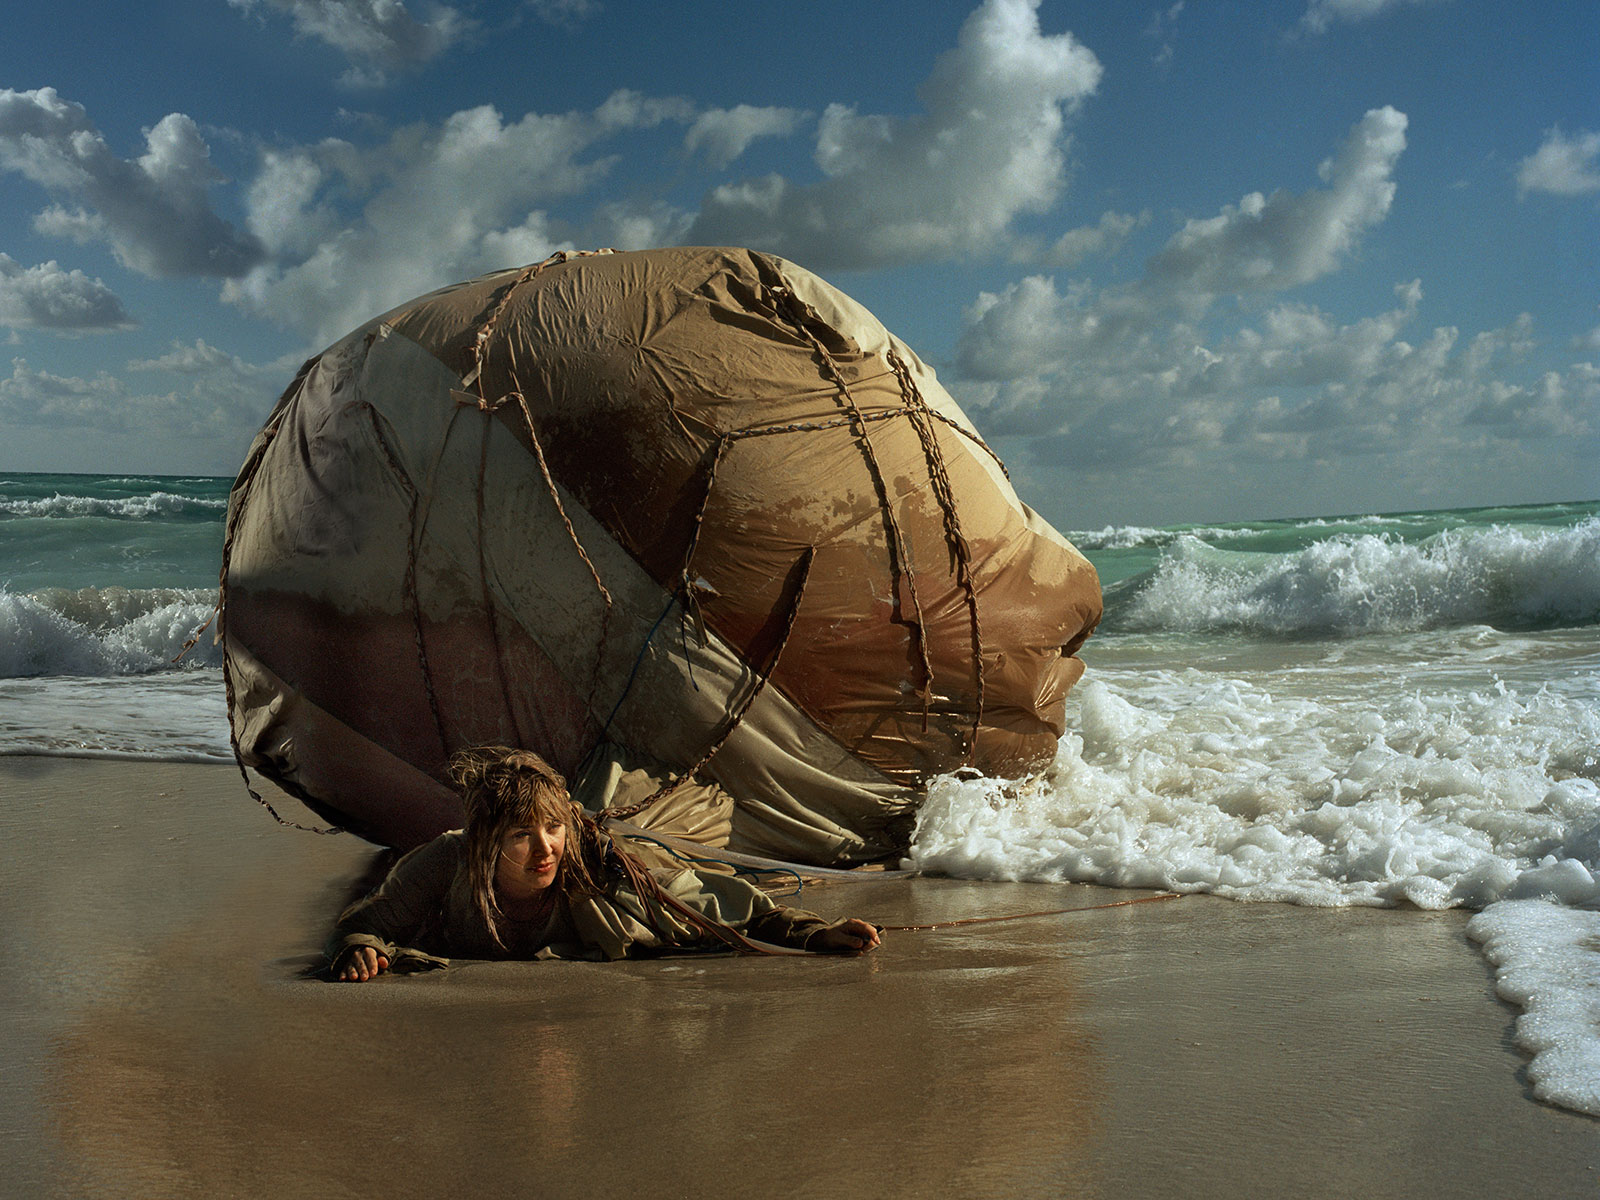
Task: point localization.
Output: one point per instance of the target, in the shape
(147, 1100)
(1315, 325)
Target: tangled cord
(1044, 912)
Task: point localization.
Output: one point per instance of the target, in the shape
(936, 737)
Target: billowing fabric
(422, 916)
(692, 502)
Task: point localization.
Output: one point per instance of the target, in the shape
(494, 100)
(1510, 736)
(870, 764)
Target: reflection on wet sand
(169, 1043)
(953, 1065)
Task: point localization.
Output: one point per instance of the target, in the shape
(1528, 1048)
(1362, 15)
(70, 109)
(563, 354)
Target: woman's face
(529, 856)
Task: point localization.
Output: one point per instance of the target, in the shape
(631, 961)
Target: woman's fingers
(865, 933)
(363, 963)
(852, 935)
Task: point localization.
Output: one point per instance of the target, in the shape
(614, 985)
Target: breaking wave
(1183, 781)
(1132, 537)
(103, 631)
(1507, 577)
(159, 505)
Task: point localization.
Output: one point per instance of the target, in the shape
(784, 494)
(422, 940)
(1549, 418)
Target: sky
(1199, 261)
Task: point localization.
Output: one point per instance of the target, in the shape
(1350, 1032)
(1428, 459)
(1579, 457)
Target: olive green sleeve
(736, 903)
(751, 911)
(391, 917)
(781, 926)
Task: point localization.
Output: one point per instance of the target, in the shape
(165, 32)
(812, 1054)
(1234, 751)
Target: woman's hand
(359, 964)
(854, 936)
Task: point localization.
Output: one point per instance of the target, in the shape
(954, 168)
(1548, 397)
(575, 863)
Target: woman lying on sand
(532, 876)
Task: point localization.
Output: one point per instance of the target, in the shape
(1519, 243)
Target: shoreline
(162, 1038)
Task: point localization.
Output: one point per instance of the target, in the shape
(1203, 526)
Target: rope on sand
(693, 851)
(1045, 912)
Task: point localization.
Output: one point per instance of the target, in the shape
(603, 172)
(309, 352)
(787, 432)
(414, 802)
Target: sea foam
(1197, 783)
(1304, 786)
(1547, 961)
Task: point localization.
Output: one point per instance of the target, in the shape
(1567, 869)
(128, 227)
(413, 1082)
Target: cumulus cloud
(721, 135)
(378, 37)
(989, 147)
(1562, 165)
(1100, 240)
(198, 392)
(1150, 375)
(1263, 244)
(355, 230)
(1294, 385)
(30, 397)
(200, 358)
(631, 225)
(338, 230)
(46, 297)
(1267, 243)
(153, 211)
(1160, 28)
(568, 14)
(1321, 14)
(285, 212)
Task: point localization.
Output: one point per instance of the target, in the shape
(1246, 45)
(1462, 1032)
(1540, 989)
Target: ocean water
(1384, 709)
(102, 581)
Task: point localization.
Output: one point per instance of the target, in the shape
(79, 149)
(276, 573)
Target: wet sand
(160, 1039)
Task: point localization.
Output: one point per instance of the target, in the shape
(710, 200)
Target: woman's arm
(736, 903)
(806, 931)
(369, 932)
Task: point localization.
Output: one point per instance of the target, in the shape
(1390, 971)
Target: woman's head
(518, 817)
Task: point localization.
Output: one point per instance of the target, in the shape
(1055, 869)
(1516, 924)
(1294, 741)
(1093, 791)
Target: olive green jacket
(422, 916)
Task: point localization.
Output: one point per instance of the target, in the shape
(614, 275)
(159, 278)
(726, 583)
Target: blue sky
(1183, 262)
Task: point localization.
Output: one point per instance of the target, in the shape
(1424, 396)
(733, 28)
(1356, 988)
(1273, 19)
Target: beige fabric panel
(325, 602)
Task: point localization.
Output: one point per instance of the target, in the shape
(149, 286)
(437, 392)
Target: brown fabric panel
(632, 364)
(314, 755)
(364, 670)
(653, 381)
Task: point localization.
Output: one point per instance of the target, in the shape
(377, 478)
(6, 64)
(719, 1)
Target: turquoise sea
(1382, 709)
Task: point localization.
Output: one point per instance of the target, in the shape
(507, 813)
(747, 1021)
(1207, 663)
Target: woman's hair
(504, 789)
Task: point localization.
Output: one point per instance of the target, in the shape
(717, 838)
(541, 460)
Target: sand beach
(163, 1038)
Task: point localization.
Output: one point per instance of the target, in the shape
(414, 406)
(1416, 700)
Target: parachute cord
(918, 409)
(645, 884)
(687, 585)
(1045, 912)
(971, 437)
(687, 593)
(739, 869)
(243, 485)
(717, 452)
(901, 559)
(683, 641)
(194, 638)
(750, 431)
(738, 715)
(483, 583)
(474, 378)
(480, 337)
(566, 522)
(410, 584)
(648, 888)
(639, 658)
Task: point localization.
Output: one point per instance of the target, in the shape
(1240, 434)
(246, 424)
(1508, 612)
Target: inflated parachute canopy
(686, 521)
